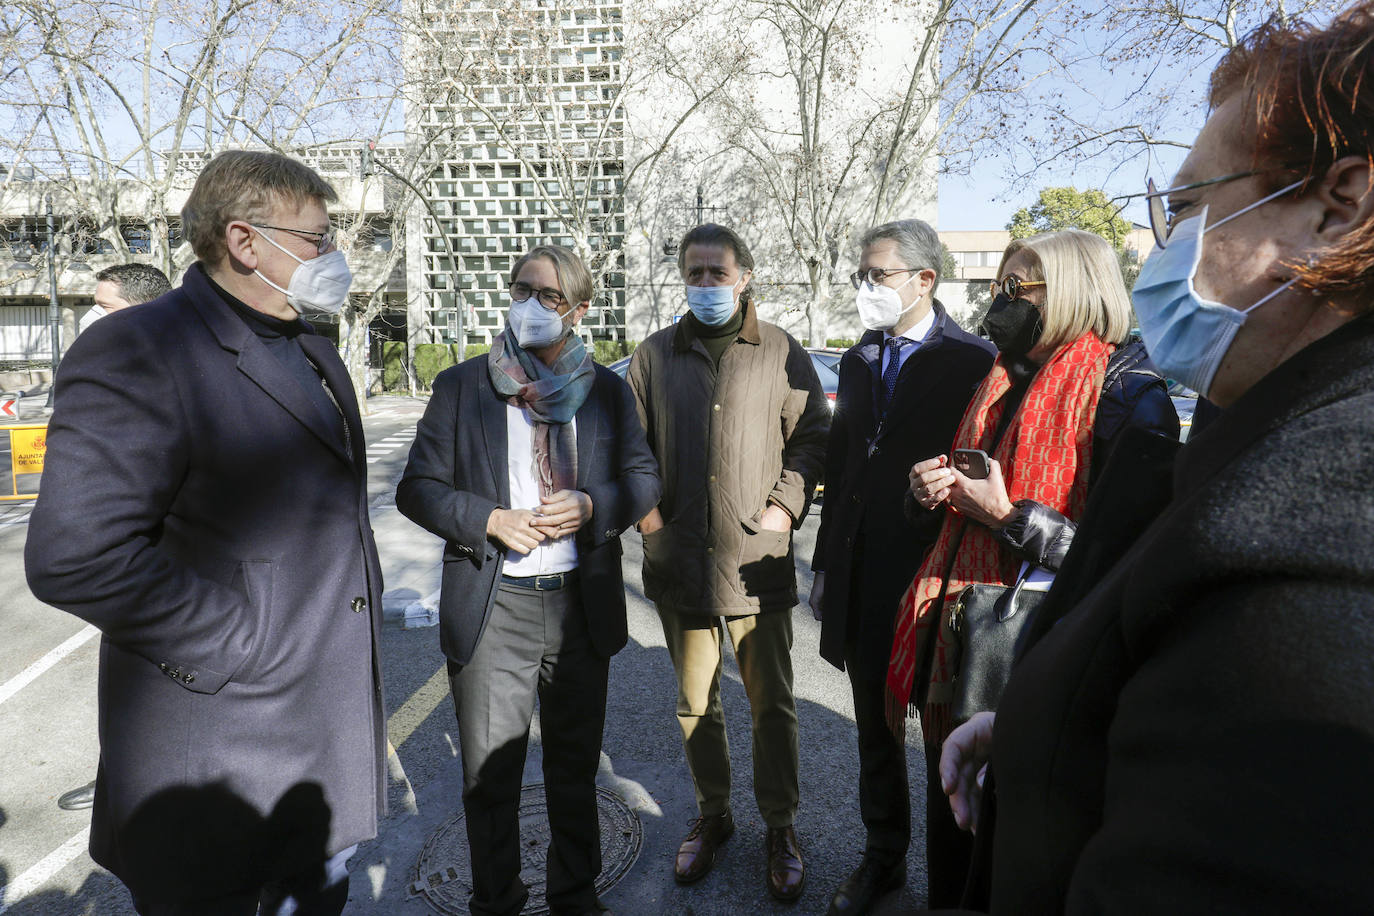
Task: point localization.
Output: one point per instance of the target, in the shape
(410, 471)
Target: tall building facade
(523, 138)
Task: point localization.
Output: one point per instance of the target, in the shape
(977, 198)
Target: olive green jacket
(728, 442)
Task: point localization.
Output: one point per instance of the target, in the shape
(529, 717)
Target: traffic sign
(9, 406)
(28, 446)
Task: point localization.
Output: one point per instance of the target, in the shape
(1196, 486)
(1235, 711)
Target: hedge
(394, 366)
(431, 359)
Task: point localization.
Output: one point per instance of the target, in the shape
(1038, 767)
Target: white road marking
(44, 870)
(31, 673)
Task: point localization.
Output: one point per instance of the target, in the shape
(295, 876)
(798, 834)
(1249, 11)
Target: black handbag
(987, 621)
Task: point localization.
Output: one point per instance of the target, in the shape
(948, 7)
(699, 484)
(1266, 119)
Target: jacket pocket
(765, 559)
(257, 581)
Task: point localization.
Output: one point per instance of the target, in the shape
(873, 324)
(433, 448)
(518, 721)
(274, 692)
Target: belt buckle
(548, 583)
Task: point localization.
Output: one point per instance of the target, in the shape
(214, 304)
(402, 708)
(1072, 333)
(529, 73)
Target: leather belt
(550, 582)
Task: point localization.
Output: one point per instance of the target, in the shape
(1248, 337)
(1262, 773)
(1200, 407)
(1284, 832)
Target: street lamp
(54, 314)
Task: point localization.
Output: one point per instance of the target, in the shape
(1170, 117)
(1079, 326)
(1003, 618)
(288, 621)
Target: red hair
(1310, 92)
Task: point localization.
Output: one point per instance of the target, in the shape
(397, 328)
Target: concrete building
(531, 152)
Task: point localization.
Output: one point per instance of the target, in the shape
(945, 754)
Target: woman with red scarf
(1066, 383)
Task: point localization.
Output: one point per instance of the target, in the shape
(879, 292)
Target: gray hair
(918, 245)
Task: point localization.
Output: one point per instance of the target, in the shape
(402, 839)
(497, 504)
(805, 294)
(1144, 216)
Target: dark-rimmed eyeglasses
(548, 297)
(1012, 286)
(323, 240)
(876, 275)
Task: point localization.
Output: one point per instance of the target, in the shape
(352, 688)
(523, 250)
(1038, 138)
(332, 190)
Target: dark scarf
(552, 394)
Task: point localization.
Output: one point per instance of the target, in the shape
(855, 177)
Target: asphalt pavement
(48, 745)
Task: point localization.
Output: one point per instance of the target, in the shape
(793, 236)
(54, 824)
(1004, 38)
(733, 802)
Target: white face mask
(880, 308)
(318, 285)
(534, 325)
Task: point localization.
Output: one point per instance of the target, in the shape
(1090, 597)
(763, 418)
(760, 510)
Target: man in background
(120, 287)
(117, 287)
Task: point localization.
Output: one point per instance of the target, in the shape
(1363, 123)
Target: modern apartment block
(530, 152)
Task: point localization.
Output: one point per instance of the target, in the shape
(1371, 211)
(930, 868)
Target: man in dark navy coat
(903, 389)
(529, 462)
(204, 504)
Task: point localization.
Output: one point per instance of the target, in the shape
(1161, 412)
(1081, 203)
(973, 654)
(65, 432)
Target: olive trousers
(763, 648)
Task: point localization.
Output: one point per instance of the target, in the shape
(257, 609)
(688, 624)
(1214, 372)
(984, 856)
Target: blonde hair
(1083, 287)
(244, 185)
(573, 276)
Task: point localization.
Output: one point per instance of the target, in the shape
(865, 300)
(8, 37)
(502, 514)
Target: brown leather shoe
(697, 853)
(786, 874)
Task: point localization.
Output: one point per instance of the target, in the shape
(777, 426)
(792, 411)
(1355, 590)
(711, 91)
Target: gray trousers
(535, 644)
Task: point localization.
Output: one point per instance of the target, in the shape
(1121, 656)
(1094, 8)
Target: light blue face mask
(713, 305)
(1186, 335)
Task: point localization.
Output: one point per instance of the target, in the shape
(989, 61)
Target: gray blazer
(457, 475)
(197, 509)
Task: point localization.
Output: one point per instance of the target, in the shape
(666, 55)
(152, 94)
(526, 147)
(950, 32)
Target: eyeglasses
(548, 297)
(876, 275)
(323, 240)
(1012, 286)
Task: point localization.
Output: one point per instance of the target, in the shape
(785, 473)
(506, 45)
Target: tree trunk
(353, 349)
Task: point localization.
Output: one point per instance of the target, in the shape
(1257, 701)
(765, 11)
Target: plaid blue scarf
(552, 395)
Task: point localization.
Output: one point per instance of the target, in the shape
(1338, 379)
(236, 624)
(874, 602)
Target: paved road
(47, 743)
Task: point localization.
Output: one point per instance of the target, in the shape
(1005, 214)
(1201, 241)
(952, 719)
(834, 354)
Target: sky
(1111, 84)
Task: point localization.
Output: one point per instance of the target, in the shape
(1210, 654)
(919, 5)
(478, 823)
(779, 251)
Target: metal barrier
(27, 444)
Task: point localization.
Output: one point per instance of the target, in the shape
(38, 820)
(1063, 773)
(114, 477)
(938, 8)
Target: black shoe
(77, 799)
(869, 882)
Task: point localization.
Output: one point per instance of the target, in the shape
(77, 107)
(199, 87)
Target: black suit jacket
(1197, 733)
(197, 508)
(457, 474)
(872, 447)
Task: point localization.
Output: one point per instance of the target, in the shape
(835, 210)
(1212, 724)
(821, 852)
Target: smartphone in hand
(972, 463)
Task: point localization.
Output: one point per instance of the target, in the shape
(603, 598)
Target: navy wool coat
(873, 445)
(197, 509)
(457, 474)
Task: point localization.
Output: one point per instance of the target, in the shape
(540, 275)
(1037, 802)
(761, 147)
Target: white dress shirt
(550, 556)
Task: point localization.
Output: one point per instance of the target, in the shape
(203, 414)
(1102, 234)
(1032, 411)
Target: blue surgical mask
(713, 305)
(1186, 335)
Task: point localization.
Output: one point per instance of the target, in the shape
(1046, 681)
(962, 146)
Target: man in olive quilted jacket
(738, 422)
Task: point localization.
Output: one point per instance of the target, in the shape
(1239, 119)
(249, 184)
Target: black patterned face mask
(1013, 325)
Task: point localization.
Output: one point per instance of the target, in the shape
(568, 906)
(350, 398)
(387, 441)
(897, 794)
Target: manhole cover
(444, 874)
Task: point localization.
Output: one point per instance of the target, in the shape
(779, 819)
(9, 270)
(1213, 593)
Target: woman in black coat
(1193, 728)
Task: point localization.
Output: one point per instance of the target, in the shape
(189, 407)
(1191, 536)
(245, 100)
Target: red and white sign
(9, 407)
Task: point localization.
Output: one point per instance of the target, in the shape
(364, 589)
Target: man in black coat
(903, 389)
(532, 602)
(204, 504)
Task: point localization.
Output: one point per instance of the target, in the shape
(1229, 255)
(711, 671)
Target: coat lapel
(588, 417)
(494, 434)
(256, 362)
(326, 359)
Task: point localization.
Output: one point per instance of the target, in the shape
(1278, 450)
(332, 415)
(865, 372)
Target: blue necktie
(894, 363)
